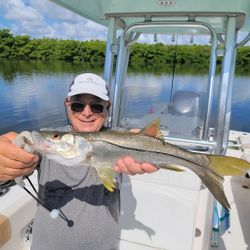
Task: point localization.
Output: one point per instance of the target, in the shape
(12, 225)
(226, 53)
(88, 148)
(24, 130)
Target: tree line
(93, 52)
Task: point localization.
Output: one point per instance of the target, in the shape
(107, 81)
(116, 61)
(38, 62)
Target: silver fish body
(101, 150)
(108, 146)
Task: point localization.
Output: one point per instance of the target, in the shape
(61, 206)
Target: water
(32, 94)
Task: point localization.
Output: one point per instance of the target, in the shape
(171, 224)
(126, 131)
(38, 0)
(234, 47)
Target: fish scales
(147, 143)
(105, 154)
(101, 150)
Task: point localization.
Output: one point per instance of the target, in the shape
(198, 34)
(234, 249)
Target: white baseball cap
(89, 83)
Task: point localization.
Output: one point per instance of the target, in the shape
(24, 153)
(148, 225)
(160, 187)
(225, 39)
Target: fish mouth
(44, 144)
(40, 144)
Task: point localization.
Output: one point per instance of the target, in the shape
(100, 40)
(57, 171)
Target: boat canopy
(210, 11)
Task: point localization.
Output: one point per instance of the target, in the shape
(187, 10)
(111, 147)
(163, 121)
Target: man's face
(86, 112)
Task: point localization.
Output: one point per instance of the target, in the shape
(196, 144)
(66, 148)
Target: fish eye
(55, 136)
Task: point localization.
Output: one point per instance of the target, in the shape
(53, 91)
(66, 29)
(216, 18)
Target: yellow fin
(171, 167)
(153, 129)
(107, 177)
(215, 184)
(227, 165)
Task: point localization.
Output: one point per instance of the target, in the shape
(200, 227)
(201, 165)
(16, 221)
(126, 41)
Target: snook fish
(102, 149)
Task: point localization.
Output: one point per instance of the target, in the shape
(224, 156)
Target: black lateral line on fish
(91, 138)
(182, 158)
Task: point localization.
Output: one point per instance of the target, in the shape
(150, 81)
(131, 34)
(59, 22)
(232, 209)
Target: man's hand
(14, 161)
(128, 165)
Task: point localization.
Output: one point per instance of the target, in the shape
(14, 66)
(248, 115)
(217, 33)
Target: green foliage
(6, 42)
(160, 54)
(243, 55)
(142, 56)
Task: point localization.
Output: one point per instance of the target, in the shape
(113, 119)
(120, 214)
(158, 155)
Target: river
(32, 93)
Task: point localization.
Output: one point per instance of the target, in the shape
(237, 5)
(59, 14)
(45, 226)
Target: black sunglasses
(79, 107)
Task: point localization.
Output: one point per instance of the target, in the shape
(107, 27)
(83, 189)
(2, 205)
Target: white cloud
(24, 18)
(55, 12)
(46, 19)
(16, 10)
(242, 35)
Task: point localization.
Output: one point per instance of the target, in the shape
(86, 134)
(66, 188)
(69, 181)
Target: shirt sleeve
(6, 184)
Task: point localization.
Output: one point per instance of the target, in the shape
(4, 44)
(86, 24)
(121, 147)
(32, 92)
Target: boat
(165, 210)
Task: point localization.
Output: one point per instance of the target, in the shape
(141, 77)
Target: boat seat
(182, 116)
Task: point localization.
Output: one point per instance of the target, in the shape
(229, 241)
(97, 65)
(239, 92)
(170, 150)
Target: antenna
(155, 38)
(173, 38)
(173, 72)
(192, 39)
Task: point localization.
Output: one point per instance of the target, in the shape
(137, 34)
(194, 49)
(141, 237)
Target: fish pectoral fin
(171, 166)
(153, 129)
(228, 165)
(106, 176)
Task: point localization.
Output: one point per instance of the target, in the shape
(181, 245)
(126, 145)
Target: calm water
(32, 94)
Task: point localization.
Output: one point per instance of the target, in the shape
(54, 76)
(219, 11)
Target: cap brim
(95, 93)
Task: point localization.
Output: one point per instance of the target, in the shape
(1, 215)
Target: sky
(42, 18)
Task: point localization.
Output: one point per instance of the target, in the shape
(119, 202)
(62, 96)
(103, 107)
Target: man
(88, 212)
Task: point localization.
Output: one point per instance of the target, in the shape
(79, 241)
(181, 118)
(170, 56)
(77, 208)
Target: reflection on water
(32, 94)
(147, 93)
(31, 101)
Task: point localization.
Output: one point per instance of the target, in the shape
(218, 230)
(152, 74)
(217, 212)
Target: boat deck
(170, 209)
(238, 193)
(238, 235)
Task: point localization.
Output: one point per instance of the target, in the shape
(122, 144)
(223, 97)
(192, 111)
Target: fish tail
(228, 165)
(218, 167)
(212, 180)
(214, 183)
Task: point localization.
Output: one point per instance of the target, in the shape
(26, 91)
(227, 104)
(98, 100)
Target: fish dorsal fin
(153, 129)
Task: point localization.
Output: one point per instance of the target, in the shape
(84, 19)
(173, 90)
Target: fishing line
(54, 213)
(78, 37)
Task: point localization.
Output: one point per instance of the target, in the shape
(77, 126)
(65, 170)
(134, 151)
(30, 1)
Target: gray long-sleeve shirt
(79, 194)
